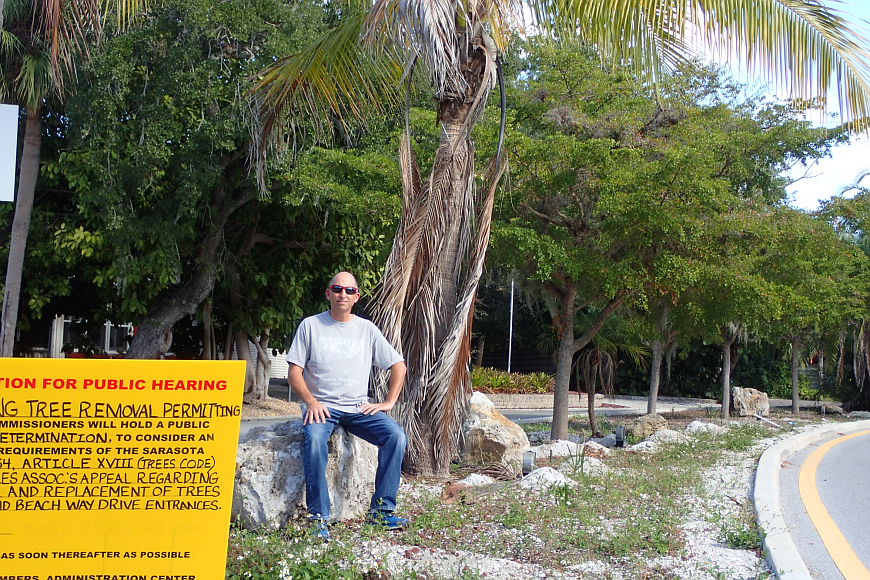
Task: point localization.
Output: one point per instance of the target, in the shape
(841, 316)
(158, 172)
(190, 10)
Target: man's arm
(397, 379)
(315, 412)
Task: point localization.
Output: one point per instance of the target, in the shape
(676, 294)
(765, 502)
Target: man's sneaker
(319, 529)
(386, 520)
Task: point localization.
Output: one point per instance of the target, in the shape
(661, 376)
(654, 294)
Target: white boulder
(269, 488)
(589, 465)
(668, 436)
(544, 478)
(488, 436)
(476, 479)
(559, 448)
(748, 402)
(701, 427)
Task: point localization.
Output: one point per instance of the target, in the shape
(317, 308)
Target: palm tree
(39, 42)
(595, 364)
(429, 283)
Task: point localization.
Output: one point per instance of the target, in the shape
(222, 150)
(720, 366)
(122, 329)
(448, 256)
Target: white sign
(8, 150)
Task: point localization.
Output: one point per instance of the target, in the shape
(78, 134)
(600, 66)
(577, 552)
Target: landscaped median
(681, 508)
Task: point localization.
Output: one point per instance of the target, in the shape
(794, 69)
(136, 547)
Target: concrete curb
(782, 554)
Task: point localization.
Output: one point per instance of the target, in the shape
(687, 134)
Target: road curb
(781, 552)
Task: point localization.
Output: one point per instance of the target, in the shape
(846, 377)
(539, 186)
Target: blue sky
(830, 175)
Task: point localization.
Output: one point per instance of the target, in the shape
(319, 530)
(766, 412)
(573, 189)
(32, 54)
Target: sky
(830, 175)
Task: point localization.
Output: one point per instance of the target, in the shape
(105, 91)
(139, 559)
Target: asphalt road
(842, 482)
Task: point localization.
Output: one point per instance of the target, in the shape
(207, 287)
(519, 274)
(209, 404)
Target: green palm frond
(34, 79)
(332, 76)
(800, 45)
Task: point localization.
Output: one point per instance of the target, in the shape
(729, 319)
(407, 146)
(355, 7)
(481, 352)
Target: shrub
(487, 380)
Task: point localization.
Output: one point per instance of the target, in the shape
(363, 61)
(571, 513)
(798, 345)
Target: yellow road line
(838, 547)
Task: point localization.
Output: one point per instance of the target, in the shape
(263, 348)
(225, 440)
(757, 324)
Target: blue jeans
(379, 430)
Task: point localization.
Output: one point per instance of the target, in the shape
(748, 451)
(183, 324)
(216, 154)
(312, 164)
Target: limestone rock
(488, 436)
(668, 436)
(748, 402)
(832, 409)
(648, 446)
(646, 425)
(544, 478)
(269, 488)
(597, 450)
(473, 479)
(701, 427)
(558, 449)
(589, 465)
(859, 415)
(538, 437)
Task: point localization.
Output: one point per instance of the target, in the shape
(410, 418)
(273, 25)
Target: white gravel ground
(727, 492)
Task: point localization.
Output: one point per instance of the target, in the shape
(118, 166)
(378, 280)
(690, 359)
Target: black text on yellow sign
(117, 469)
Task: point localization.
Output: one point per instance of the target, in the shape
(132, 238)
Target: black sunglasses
(349, 290)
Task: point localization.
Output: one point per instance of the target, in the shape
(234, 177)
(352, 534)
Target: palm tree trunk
(20, 227)
(559, 427)
(425, 304)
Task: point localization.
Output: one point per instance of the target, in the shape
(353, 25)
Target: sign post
(117, 469)
(8, 150)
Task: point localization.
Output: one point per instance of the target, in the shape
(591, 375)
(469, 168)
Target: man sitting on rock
(330, 362)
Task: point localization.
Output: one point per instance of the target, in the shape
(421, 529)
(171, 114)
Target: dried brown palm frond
(496, 470)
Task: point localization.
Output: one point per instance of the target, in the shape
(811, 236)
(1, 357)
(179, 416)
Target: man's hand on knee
(372, 408)
(315, 413)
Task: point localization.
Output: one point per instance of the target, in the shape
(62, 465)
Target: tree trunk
(655, 375)
(841, 360)
(559, 427)
(208, 350)
(658, 347)
(478, 359)
(20, 228)
(243, 352)
(795, 364)
(728, 338)
(563, 374)
(726, 381)
(590, 407)
(229, 342)
(153, 336)
(259, 390)
(821, 366)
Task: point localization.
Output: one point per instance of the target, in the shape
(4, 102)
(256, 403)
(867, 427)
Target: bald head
(344, 279)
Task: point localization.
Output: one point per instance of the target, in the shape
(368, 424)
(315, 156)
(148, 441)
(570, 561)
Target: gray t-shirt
(337, 358)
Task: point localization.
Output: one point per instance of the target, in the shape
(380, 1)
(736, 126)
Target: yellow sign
(117, 469)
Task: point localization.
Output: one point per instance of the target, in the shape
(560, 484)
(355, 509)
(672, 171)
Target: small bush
(487, 380)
